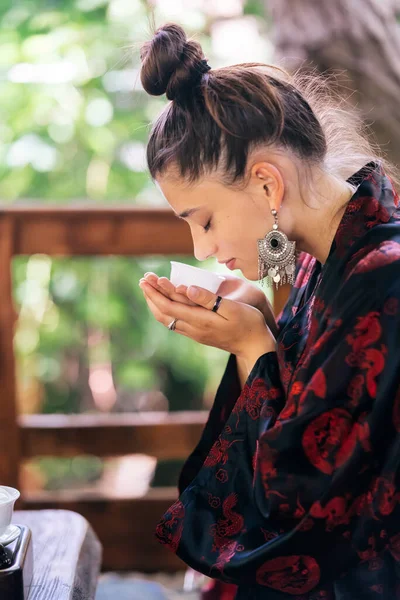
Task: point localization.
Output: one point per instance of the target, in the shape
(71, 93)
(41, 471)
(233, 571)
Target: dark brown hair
(216, 118)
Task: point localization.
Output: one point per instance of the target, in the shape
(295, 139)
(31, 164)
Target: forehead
(182, 196)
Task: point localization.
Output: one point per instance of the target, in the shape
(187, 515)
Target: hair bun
(171, 64)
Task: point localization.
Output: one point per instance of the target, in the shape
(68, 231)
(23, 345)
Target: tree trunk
(359, 39)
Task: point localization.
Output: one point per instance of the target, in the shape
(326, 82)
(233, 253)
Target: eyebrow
(187, 213)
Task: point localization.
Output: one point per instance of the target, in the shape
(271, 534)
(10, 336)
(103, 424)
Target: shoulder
(370, 279)
(373, 258)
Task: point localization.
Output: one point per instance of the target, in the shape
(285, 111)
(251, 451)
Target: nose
(203, 248)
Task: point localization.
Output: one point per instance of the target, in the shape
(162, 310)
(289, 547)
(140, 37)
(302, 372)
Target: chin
(249, 274)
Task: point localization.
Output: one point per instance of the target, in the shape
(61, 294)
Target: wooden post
(9, 430)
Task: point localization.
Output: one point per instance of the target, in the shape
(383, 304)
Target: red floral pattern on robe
(294, 488)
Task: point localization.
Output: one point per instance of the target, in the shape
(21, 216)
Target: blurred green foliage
(70, 102)
(82, 316)
(61, 473)
(74, 122)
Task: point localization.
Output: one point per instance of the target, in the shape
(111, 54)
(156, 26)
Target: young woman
(293, 490)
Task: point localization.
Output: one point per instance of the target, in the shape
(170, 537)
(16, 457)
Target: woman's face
(225, 223)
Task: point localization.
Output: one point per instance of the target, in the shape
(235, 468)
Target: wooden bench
(66, 555)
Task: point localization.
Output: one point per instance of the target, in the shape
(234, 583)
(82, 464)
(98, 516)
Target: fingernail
(193, 291)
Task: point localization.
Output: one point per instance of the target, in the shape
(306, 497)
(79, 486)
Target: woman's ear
(267, 176)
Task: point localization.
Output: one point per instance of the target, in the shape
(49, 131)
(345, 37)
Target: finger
(181, 289)
(159, 316)
(178, 295)
(167, 290)
(156, 312)
(166, 285)
(180, 326)
(202, 297)
(151, 279)
(196, 316)
(154, 280)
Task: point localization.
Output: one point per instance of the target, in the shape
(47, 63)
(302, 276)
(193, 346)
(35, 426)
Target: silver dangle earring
(276, 257)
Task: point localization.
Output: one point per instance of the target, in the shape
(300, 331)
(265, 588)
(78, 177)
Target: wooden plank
(163, 435)
(9, 433)
(66, 555)
(125, 526)
(88, 231)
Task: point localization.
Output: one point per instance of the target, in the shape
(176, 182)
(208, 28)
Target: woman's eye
(207, 227)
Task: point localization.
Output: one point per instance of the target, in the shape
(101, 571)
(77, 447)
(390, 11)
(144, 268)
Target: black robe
(294, 489)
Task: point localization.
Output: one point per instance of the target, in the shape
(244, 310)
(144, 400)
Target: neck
(317, 225)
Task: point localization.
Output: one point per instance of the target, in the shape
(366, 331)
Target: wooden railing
(124, 525)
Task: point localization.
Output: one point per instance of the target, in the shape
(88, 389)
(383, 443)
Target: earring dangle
(276, 257)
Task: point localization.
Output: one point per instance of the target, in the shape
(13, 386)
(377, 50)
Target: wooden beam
(125, 526)
(9, 434)
(83, 230)
(163, 435)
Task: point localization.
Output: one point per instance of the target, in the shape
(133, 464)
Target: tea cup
(183, 274)
(8, 497)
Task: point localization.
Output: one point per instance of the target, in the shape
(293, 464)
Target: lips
(230, 264)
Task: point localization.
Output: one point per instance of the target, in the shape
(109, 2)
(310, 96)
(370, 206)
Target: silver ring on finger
(172, 325)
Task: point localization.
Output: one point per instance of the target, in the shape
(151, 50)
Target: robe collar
(373, 203)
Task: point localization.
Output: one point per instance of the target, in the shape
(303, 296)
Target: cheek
(233, 232)
(242, 241)
(230, 243)
(237, 236)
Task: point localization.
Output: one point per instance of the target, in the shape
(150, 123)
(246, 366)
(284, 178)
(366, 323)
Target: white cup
(8, 496)
(183, 274)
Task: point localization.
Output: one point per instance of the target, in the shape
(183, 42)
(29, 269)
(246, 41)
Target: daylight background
(74, 122)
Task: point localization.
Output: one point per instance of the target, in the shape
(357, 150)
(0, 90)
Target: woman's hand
(165, 287)
(233, 288)
(236, 327)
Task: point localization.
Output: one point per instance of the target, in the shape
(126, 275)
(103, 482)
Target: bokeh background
(74, 122)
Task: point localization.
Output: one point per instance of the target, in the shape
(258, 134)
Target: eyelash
(207, 227)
